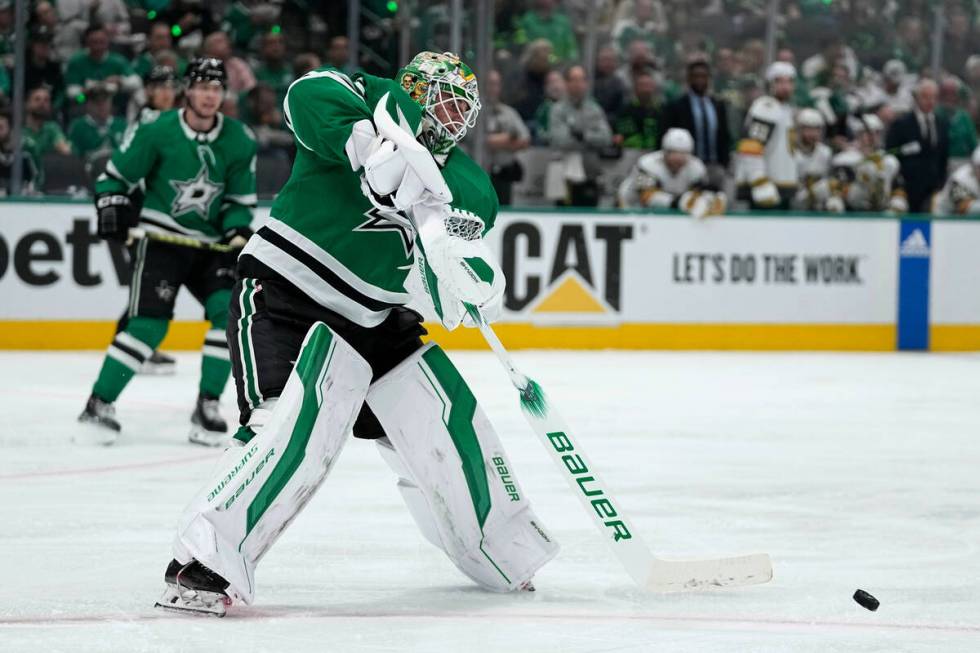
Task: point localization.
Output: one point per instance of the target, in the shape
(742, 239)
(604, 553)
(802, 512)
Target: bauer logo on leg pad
(227, 478)
(506, 478)
(580, 471)
(241, 488)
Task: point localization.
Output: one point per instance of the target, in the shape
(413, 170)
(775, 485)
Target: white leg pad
(413, 496)
(260, 487)
(454, 474)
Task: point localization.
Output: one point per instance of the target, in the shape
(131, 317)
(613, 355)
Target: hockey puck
(865, 600)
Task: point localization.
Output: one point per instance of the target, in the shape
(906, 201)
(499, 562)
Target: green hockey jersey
(324, 236)
(199, 184)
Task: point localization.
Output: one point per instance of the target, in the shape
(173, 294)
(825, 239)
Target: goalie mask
(447, 91)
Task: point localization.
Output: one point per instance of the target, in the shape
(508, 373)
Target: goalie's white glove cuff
(421, 176)
(363, 142)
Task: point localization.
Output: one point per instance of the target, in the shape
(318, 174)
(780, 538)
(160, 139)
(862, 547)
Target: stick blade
(693, 575)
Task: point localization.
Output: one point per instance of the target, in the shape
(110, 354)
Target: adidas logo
(915, 245)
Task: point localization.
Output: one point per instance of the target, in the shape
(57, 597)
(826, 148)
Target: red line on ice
(100, 470)
(301, 613)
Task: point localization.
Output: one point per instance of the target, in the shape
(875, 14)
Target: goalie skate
(194, 588)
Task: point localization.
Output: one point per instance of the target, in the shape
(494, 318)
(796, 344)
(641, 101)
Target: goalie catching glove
(456, 268)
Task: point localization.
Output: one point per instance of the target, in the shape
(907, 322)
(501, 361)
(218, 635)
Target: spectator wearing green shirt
(546, 22)
(554, 91)
(244, 20)
(273, 69)
(338, 55)
(648, 22)
(97, 131)
(41, 135)
(912, 44)
(159, 41)
(962, 133)
(638, 124)
(96, 64)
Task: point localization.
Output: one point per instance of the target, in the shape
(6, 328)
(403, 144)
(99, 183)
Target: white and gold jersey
(813, 168)
(651, 184)
(766, 152)
(868, 182)
(960, 195)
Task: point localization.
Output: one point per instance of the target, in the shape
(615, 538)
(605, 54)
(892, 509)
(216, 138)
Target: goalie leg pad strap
(260, 487)
(454, 474)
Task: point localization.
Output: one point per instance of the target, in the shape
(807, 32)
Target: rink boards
(587, 280)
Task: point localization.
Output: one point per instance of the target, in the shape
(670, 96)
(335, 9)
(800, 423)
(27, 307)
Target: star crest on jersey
(380, 222)
(195, 194)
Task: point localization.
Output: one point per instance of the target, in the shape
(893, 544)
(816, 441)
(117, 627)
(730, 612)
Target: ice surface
(852, 470)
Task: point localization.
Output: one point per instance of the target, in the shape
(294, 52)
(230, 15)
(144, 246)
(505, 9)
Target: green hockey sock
(126, 354)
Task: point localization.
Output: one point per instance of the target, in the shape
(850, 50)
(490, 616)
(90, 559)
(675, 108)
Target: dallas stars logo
(196, 194)
(379, 221)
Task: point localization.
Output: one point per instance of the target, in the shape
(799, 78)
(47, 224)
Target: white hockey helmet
(779, 69)
(678, 140)
(865, 122)
(809, 118)
(975, 157)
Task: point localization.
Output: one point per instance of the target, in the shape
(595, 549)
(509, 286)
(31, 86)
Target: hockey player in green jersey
(323, 345)
(198, 169)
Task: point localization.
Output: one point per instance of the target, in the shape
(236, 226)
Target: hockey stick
(646, 569)
(182, 241)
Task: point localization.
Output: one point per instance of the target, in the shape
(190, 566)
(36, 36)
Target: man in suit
(920, 140)
(705, 117)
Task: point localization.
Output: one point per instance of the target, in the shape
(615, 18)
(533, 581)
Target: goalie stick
(607, 515)
(646, 570)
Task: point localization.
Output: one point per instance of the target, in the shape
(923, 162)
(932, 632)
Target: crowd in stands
(562, 129)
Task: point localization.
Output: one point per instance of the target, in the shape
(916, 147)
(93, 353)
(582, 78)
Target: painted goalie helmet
(447, 91)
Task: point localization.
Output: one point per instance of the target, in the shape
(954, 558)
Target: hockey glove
(898, 203)
(116, 215)
(447, 308)
(237, 237)
(765, 193)
(402, 167)
(835, 204)
(466, 267)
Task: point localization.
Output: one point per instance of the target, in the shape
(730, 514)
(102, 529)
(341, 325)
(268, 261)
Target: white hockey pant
(258, 489)
(454, 475)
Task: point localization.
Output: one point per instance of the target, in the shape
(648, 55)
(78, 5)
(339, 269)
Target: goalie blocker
(381, 383)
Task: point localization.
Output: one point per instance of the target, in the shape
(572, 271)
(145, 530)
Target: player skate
(208, 427)
(100, 424)
(194, 588)
(159, 364)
